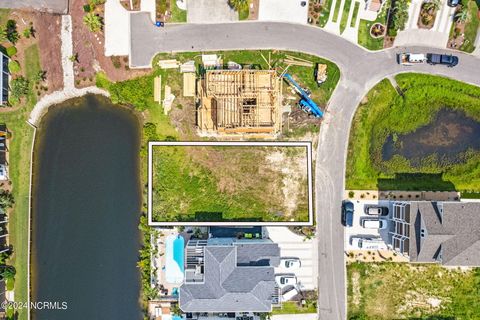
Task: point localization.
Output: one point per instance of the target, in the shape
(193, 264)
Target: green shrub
(12, 33)
(14, 66)
(19, 87)
(11, 51)
(87, 8)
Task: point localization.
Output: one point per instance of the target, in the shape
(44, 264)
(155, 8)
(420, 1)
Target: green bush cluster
(11, 51)
(14, 66)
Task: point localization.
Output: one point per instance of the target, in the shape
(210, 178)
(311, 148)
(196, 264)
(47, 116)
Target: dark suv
(347, 214)
(445, 59)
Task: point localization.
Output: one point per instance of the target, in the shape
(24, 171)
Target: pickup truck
(408, 59)
(445, 59)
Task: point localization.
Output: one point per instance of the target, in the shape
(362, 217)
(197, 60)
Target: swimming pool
(174, 255)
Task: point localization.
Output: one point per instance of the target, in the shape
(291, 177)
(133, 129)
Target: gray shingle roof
(230, 286)
(454, 233)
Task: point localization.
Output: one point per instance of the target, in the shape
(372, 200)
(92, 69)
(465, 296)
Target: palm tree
(3, 34)
(462, 15)
(93, 22)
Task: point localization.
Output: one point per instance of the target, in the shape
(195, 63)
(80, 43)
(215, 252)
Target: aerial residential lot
(412, 291)
(230, 183)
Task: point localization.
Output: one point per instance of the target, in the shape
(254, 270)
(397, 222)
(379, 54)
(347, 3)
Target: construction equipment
(305, 102)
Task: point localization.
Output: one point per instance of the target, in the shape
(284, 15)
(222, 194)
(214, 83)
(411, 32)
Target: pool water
(174, 267)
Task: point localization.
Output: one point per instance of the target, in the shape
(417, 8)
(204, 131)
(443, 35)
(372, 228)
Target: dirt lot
(89, 48)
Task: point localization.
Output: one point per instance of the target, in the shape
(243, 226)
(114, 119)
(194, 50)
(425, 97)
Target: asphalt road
(52, 6)
(360, 71)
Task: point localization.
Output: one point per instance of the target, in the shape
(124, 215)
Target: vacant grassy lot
(215, 183)
(385, 113)
(410, 291)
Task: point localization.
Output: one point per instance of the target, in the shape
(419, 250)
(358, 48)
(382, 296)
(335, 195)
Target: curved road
(360, 71)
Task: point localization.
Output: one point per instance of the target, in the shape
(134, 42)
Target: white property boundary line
(305, 144)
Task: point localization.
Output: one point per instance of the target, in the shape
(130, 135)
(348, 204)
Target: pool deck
(159, 260)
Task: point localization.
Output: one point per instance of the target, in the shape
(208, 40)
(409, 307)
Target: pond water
(86, 205)
(449, 134)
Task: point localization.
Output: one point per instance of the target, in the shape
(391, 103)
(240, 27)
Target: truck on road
(445, 59)
(409, 59)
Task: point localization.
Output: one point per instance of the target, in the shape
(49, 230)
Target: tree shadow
(208, 216)
(416, 182)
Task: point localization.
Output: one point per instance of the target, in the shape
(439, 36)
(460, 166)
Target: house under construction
(239, 102)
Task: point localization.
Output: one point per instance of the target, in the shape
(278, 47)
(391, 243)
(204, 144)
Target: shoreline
(42, 106)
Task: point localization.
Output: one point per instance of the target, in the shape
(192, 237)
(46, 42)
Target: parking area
(357, 230)
(294, 246)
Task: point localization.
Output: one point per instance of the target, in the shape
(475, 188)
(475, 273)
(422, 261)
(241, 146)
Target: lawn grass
(325, 13)
(178, 15)
(4, 13)
(345, 12)
(355, 14)
(386, 113)
(336, 10)
(364, 37)
(20, 151)
(471, 27)
(292, 307)
(404, 291)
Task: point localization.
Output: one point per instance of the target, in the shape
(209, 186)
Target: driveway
(360, 71)
(285, 10)
(116, 27)
(52, 6)
(294, 246)
(435, 37)
(210, 11)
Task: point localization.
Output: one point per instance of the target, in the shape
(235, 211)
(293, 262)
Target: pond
(85, 211)
(448, 135)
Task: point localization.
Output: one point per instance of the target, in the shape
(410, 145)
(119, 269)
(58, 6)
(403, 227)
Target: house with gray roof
(230, 275)
(437, 232)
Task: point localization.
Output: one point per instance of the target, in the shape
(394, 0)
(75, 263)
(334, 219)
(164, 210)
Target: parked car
(286, 280)
(290, 293)
(368, 243)
(374, 210)
(347, 213)
(290, 263)
(374, 223)
(453, 3)
(445, 59)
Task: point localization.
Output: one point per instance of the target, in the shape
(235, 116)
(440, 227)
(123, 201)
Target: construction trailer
(239, 102)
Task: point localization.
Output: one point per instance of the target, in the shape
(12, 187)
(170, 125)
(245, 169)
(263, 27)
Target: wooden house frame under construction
(239, 102)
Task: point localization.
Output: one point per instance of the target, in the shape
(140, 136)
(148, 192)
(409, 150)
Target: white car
(286, 280)
(374, 223)
(369, 243)
(290, 293)
(290, 263)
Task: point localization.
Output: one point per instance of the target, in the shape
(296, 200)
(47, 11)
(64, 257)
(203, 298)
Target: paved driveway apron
(360, 71)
